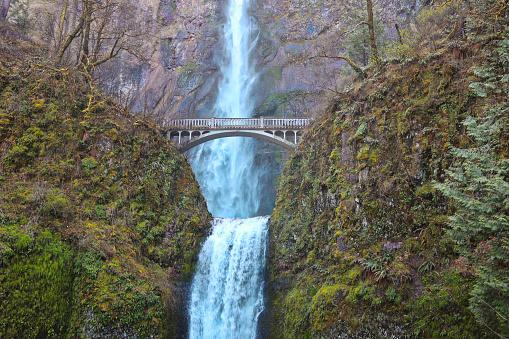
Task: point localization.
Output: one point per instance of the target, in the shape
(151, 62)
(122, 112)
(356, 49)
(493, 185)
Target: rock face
(180, 77)
(295, 79)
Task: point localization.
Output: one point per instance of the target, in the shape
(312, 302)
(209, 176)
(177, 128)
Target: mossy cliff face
(358, 245)
(100, 218)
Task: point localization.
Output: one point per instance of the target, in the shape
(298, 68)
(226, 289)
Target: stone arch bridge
(189, 133)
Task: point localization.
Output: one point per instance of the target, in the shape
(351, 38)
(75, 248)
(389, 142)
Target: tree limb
(358, 69)
(71, 37)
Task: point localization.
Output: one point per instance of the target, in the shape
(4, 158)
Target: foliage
(56, 204)
(478, 184)
(359, 193)
(295, 322)
(35, 285)
(99, 214)
(441, 310)
(27, 147)
(324, 306)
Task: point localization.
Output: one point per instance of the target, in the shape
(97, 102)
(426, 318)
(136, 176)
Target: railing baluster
(237, 123)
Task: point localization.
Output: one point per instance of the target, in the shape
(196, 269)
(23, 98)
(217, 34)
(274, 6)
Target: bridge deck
(237, 123)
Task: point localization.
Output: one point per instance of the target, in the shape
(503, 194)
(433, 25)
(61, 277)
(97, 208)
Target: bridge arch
(189, 133)
(267, 136)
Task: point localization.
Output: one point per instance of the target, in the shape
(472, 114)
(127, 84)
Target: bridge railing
(238, 123)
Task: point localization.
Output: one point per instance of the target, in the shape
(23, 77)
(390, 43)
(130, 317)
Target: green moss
(363, 291)
(373, 157)
(39, 103)
(56, 204)
(35, 289)
(425, 190)
(352, 275)
(442, 311)
(363, 153)
(89, 164)
(125, 303)
(324, 306)
(26, 148)
(367, 155)
(295, 323)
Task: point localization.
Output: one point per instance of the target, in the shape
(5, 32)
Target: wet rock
(392, 246)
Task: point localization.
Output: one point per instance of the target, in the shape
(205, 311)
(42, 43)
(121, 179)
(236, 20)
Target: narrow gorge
(254, 169)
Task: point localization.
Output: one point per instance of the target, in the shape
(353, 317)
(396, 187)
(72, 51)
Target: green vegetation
(478, 185)
(99, 216)
(391, 217)
(36, 280)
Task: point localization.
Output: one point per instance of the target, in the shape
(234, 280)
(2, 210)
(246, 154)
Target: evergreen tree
(478, 185)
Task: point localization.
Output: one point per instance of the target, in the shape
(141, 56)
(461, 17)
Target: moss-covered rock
(101, 219)
(358, 247)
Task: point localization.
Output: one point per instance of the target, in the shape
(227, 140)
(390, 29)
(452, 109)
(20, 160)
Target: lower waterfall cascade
(227, 295)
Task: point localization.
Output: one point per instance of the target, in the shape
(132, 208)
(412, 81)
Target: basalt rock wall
(178, 75)
(298, 40)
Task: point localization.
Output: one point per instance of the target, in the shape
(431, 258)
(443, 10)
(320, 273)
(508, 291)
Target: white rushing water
(227, 290)
(227, 294)
(224, 167)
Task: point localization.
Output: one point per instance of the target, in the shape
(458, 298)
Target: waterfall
(225, 167)
(227, 290)
(227, 294)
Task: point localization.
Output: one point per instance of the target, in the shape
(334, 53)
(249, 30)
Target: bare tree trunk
(5, 9)
(86, 33)
(398, 30)
(61, 26)
(372, 35)
(70, 38)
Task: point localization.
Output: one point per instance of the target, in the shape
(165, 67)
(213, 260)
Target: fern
(478, 185)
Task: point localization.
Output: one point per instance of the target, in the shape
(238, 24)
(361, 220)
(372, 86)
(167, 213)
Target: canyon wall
(299, 40)
(297, 43)
(179, 79)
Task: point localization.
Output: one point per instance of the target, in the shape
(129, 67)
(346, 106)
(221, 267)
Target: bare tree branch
(358, 69)
(4, 10)
(71, 37)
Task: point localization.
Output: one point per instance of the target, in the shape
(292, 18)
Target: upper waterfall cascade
(224, 167)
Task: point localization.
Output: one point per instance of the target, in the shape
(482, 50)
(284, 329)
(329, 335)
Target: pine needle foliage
(478, 185)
